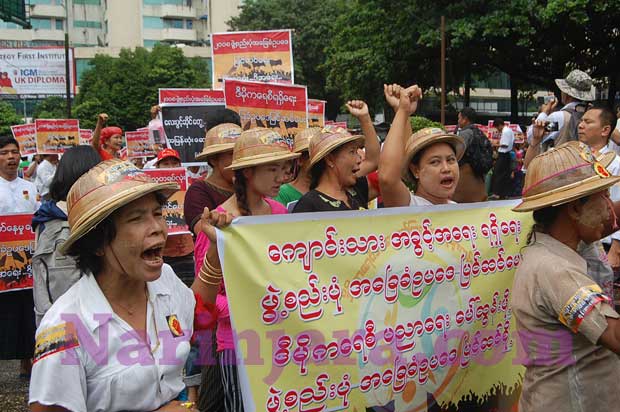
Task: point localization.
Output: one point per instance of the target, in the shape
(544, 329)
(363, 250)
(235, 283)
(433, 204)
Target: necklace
(130, 310)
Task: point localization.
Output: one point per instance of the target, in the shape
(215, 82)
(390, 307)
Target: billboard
(37, 71)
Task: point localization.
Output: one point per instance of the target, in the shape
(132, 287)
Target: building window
(189, 24)
(149, 44)
(38, 23)
(60, 24)
(173, 23)
(81, 65)
(7, 25)
(93, 2)
(87, 24)
(151, 22)
(161, 2)
(33, 2)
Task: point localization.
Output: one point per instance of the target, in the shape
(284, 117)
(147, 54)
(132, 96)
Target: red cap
(108, 132)
(168, 153)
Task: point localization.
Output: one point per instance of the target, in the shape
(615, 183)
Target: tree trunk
(613, 87)
(514, 100)
(467, 87)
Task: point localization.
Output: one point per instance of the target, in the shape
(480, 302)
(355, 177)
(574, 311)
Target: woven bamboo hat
(260, 146)
(427, 137)
(563, 174)
(330, 138)
(219, 139)
(104, 189)
(303, 137)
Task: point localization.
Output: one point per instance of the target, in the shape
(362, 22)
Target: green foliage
(420, 122)
(53, 107)
(126, 87)
(8, 118)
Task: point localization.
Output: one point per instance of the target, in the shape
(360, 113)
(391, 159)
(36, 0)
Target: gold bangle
(207, 282)
(210, 266)
(210, 274)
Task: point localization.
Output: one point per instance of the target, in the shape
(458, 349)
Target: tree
(53, 107)
(8, 118)
(313, 29)
(126, 87)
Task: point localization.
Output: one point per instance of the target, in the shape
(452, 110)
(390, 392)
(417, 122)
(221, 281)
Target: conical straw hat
(219, 139)
(427, 137)
(104, 189)
(303, 137)
(330, 138)
(260, 146)
(563, 174)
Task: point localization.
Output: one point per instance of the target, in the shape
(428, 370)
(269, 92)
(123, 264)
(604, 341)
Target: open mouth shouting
(154, 255)
(447, 182)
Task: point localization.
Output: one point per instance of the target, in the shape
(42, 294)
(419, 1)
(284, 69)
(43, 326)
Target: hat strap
(563, 178)
(560, 189)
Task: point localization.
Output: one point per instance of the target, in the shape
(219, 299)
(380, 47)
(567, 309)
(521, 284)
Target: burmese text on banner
(56, 136)
(403, 309)
(264, 56)
(16, 249)
(316, 113)
(139, 144)
(26, 136)
(173, 209)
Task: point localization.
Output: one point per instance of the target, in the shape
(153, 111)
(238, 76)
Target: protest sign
(276, 106)
(402, 309)
(26, 136)
(191, 96)
(16, 249)
(337, 124)
(173, 209)
(139, 144)
(264, 56)
(450, 128)
(35, 71)
(316, 113)
(56, 136)
(86, 137)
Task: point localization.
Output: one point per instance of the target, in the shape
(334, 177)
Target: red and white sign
(191, 96)
(316, 113)
(86, 137)
(54, 136)
(17, 240)
(173, 209)
(337, 124)
(26, 136)
(139, 144)
(450, 128)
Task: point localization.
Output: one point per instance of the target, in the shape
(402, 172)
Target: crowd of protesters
(102, 245)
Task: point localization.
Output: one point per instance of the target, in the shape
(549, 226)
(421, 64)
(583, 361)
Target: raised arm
(534, 149)
(359, 109)
(392, 160)
(102, 118)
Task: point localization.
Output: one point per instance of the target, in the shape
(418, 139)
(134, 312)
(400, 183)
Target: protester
(53, 273)
(16, 307)
(117, 237)
(466, 127)
(292, 192)
(45, 173)
(107, 140)
(261, 158)
(338, 173)
(223, 130)
(428, 159)
(502, 172)
(553, 297)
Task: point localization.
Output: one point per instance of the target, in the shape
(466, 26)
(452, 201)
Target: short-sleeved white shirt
(45, 174)
(73, 369)
(420, 201)
(18, 196)
(507, 139)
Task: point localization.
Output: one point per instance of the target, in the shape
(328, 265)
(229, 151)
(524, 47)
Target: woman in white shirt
(428, 159)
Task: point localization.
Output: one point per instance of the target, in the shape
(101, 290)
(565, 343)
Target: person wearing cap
(168, 158)
(293, 191)
(261, 159)
(107, 141)
(117, 340)
(566, 324)
(218, 187)
(576, 90)
(338, 173)
(428, 159)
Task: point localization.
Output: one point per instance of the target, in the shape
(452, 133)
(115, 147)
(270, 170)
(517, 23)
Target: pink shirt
(224, 334)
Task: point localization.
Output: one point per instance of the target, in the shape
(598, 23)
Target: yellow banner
(406, 309)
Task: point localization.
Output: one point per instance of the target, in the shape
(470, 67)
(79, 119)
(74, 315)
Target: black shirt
(315, 201)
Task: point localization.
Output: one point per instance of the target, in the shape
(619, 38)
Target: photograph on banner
(173, 209)
(26, 136)
(86, 137)
(139, 144)
(191, 96)
(392, 309)
(262, 56)
(16, 249)
(54, 136)
(337, 124)
(276, 106)
(185, 130)
(316, 113)
(35, 71)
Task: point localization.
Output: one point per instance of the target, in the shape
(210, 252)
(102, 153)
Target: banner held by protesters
(139, 144)
(382, 308)
(26, 136)
(54, 136)
(173, 209)
(17, 240)
(316, 113)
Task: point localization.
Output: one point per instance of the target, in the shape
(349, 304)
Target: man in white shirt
(594, 130)
(45, 173)
(501, 185)
(16, 194)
